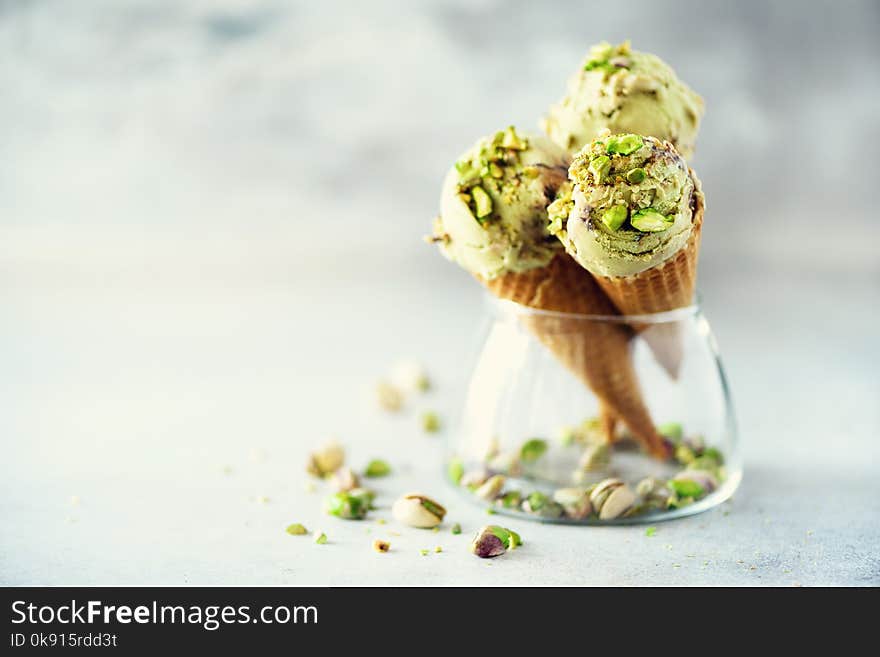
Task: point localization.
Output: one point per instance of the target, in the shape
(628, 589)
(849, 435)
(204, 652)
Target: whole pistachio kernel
(650, 221)
(635, 176)
(599, 167)
(614, 216)
(623, 144)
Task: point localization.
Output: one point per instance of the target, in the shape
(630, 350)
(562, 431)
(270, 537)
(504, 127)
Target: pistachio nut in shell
(491, 488)
(418, 510)
(700, 477)
(574, 501)
(602, 490)
(617, 503)
(326, 460)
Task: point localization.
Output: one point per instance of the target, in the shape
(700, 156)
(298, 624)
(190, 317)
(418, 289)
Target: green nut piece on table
(321, 538)
(493, 541)
(416, 510)
(456, 528)
(430, 422)
(612, 498)
(377, 468)
(296, 529)
(351, 505)
(532, 450)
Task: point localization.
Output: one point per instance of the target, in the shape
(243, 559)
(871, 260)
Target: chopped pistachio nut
(456, 528)
(635, 176)
(388, 397)
(345, 479)
(615, 216)
(599, 167)
(482, 203)
(650, 221)
(539, 504)
(381, 546)
(418, 510)
(377, 468)
(532, 450)
(326, 460)
(430, 422)
(493, 541)
(455, 470)
(424, 553)
(321, 538)
(491, 488)
(351, 505)
(296, 529)
(624, 144)
(650, 531)
(438, 549)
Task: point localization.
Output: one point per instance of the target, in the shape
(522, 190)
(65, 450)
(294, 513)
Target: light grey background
(210, 223)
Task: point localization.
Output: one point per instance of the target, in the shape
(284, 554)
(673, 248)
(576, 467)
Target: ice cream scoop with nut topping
(493, 207)
(629, 205)
(623, 90)
(418, 510)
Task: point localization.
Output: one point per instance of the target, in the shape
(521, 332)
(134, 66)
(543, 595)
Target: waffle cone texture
(597, 352)
(664, 287)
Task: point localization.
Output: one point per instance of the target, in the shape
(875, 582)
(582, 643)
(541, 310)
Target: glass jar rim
(511, 308)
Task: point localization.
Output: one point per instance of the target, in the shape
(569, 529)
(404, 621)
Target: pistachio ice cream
(493, 207)
(625, 91)
(628, 206)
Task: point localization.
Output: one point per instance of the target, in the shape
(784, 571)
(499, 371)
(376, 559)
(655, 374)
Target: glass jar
(540, 434)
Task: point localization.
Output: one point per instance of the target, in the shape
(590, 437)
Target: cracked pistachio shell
(418, 510)
(326, 460)
(617, 503)
(574, 501)
(474, 478)
(602, 490)
(345, 479)
(491, 488)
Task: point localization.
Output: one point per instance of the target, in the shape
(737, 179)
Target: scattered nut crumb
(438, 549)
(430, 422)
(650, 531)
(321, 538)
(388, 397)
(381, 546)
(456, 528)
(296, 529)
(424, 553)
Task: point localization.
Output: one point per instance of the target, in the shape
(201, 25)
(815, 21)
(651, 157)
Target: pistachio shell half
(418, 510)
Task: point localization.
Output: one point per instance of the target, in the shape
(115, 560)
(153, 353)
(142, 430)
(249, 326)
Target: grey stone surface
(209, 245)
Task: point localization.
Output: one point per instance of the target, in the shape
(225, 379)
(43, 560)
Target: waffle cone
(667, 286)
(597, 352)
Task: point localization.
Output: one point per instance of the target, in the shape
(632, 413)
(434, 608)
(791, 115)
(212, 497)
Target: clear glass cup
(529, 441)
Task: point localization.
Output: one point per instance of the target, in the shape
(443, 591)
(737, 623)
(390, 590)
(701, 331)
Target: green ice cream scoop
(628, 206)
(493, 207)
(625, 91)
